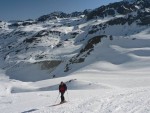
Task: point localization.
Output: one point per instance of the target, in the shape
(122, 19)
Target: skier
(62, 89)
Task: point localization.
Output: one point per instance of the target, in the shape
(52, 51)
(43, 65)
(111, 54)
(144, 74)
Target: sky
(32, 9)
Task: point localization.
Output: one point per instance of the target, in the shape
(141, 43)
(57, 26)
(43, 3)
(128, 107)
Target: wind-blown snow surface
(92, 93)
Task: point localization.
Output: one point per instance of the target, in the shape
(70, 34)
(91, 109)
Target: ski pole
(68, 95)
(57, 98)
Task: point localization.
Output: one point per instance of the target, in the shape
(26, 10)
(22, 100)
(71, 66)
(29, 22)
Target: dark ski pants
(62, 97)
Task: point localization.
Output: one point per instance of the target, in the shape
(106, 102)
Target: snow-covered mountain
(106, 49)
(60, 41)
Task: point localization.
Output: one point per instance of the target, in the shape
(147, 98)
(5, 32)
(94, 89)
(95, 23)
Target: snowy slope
(104, 58)
(82, 96)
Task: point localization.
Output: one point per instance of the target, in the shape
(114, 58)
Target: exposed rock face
(90, 44)
(49, 65)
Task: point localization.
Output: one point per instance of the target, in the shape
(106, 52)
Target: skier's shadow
(57, 104)
(54, 105)
(29, 111)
